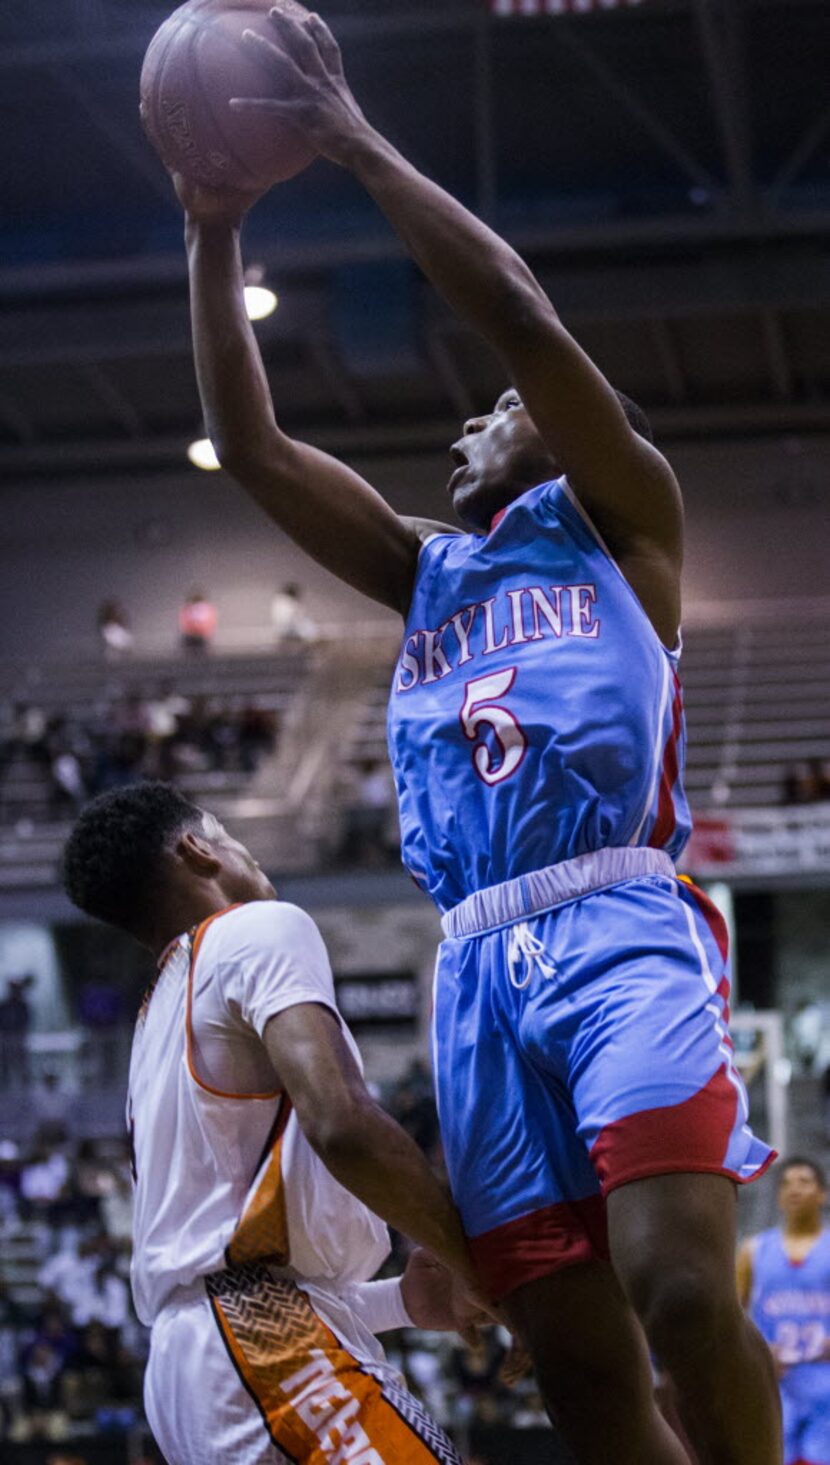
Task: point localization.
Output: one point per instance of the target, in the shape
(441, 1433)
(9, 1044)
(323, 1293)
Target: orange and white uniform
(251, 1262)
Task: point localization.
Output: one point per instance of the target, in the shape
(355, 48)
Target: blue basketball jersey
(790, 1303)
(534, 714)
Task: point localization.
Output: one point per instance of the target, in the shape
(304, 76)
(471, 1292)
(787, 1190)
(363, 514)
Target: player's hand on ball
(210, 205)
(310, 89)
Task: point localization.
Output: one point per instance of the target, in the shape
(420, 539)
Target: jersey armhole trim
(576, 503)
(198, 938)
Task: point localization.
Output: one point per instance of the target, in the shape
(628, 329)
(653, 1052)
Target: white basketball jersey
(223, 1172)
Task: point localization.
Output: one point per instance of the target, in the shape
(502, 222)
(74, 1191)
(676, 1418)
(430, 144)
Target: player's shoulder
(260, 926)
(426, 529)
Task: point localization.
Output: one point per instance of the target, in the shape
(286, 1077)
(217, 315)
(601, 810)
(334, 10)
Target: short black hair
(112, 866)
(792, 1160)
(635, 416)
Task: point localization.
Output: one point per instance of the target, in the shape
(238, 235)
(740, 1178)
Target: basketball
(196, 62)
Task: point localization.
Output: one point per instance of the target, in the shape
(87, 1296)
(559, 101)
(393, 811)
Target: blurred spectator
(69, 789)
(114, 629)
(15, 1022)
(44, 1183)
(101, 1010)
(290, 621)
(807, 782)
(50, 1108)
(369, 834)
(197, 622)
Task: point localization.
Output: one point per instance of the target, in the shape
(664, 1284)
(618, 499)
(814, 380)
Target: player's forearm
(236, 398)
(480, 276)
(378, 1162)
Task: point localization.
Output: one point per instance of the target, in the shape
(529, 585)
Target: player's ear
(198, 854)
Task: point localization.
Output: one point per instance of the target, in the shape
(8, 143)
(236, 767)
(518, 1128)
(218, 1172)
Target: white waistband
(541, 890)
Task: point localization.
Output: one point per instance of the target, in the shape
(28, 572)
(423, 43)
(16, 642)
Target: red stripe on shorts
(561, 1235)
(691, 1137)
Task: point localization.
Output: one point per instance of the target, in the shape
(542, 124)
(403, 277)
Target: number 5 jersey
(534, 715)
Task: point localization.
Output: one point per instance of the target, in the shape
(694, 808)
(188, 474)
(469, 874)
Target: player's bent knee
(686, 1311)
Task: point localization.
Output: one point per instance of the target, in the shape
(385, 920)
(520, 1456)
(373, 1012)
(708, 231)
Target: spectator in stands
(197, 622)
(290, 621)
(69, 790)
(114, 630)
(163, 712)
(15, 1023)
(101, 1010)
(50, 1108)
(369, 830)
(44, 1184)
(807, 782)
(29, 733)
(257, 734)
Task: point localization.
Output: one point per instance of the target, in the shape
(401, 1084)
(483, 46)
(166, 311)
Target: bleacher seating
(32, 831)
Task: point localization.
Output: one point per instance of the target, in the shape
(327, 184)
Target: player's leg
(672, 1243)
(592, 1367)
(663, 1113)
(531, 1207)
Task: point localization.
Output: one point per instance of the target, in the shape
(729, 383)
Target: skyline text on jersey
(513, 618)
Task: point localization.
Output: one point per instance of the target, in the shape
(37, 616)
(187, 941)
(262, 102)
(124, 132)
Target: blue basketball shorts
(580, 1042)
(805, 1403)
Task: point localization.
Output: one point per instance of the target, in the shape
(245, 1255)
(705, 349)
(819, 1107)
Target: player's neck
(802, 1228)
(185, 916)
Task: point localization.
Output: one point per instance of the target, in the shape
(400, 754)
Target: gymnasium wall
(758, 526)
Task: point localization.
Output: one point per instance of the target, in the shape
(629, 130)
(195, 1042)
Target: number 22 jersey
(534, 714)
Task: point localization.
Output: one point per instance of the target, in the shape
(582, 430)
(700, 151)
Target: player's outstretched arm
(328, 510)
(356, 1139)
(624, 482)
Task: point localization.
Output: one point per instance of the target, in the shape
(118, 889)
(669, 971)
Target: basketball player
(593, 1120)
(248, 1117)
(784, 1280)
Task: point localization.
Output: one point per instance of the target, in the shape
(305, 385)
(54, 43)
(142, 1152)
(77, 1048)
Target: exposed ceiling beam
(671, 424)
(652, 125)
(449, 374)
(137, 157)
(111, 397)
(781, 372)
(800, 155)
(18, 422)
(329, 367)
(720, 25)
(285, 259)
(666, 348)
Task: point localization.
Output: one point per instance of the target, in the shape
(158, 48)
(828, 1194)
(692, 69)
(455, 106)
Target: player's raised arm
(625, 484)
(328, 510)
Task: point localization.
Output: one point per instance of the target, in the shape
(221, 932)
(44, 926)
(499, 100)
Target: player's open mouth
(461, 461)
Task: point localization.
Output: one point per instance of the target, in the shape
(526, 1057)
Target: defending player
(593, 1120)
(784, 1281)
(248, 1116)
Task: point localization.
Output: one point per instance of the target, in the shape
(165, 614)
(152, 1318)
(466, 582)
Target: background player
(527, 658)
(784, 1280)
(251, 1261)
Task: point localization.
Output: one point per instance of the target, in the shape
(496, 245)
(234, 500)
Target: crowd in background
(132, 735)
(72, 1353)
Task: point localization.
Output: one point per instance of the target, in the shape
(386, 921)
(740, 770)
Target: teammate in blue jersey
(784, 1280)
(592, 1117)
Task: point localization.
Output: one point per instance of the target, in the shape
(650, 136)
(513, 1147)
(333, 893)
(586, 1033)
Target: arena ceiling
(665, 169)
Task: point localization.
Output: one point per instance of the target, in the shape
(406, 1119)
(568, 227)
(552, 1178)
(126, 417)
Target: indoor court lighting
(202, 455)
(259, 301)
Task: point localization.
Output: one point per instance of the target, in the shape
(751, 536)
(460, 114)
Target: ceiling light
(259, 301)
(202, 455)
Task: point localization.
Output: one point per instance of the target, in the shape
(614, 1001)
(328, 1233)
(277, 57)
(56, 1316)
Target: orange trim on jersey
(315, 1399)
(198, 938)
(262, 1230)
